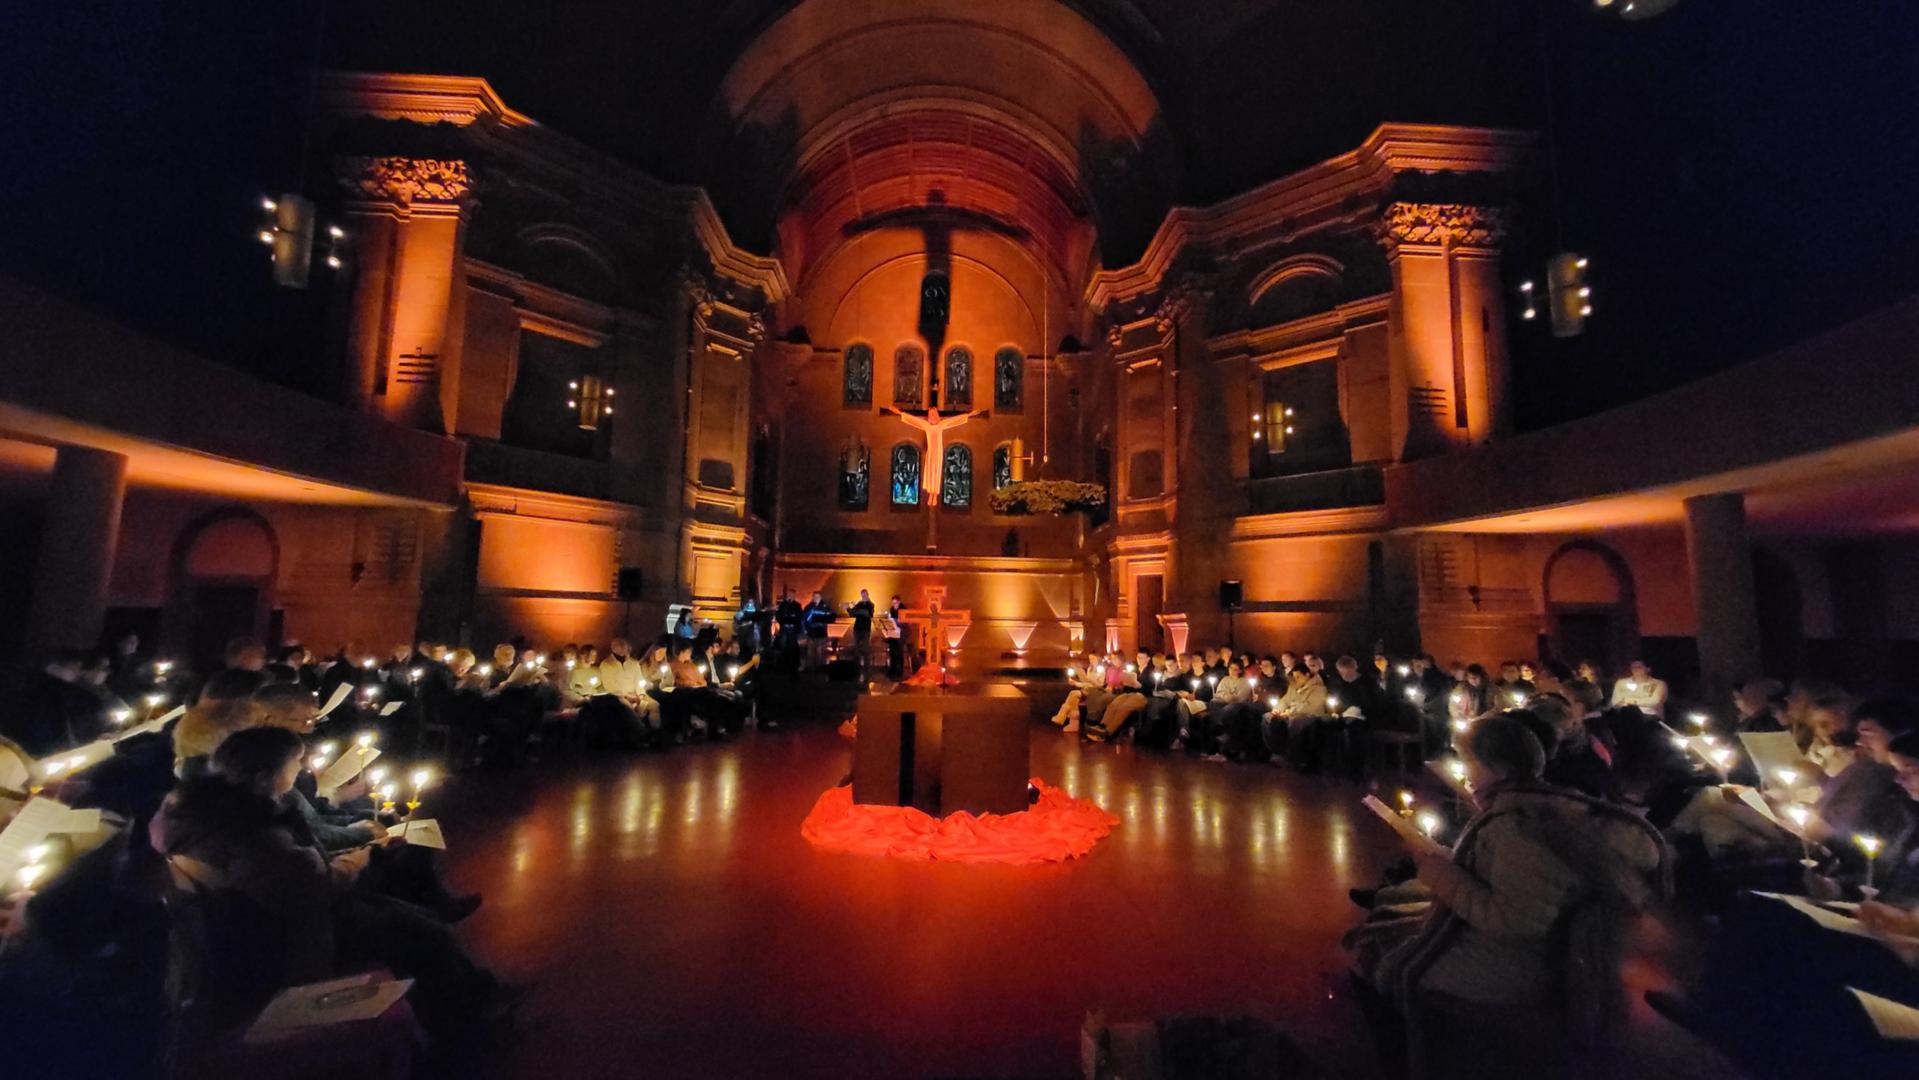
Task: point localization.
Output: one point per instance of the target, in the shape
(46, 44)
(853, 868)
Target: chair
(1407, 748)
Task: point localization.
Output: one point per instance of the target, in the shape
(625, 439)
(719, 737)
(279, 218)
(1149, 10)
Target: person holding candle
(1641, 690)
(1530, 908)
(232, 848)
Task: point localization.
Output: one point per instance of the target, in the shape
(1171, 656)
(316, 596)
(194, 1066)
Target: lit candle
(1633, 686)
(1405, 801)
(1272, 702)
(1519, 701)
(732, 671)
(485, 670)
(1332, 703)
(1869, 845)
(1412, 693)
(1194, 683)
(1428, 822)
(1722, 757)
(1072, 673)
(1787, 777)
(369, 691)
(327, 748)
(415, 674)
(1699, 719)
(375, 775)
(386, 798)
(1462, 725)
(120, 716)
(1681, 741)
(663, 669)
(1801, 817)
(161, 667)
(571, 664)
(365, 740)
(1130, 669)
(1212, 680)
(1405, 670)
(367, 663)
(420, 778)
(318, 763)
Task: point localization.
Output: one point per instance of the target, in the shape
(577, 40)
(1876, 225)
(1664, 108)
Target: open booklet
(1830, 920)
(40, 818)
(337, 1001)
(1893, 1019)
(1401, 824)
(1776, 751)
(422, 833)
(350, 765)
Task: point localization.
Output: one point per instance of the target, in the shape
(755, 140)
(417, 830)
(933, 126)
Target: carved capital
(404, 181)
(756, 328)
(1184, 295)
(1115, 335)
(1449, 224)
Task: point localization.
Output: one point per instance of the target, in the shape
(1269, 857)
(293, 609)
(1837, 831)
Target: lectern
(943, 749)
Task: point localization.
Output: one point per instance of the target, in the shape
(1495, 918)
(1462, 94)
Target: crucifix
(933, 460)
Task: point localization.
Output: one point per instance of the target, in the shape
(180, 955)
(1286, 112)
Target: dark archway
(1592, 612)
(221, 585)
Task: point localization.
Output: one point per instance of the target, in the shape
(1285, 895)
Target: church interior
(1024, 538)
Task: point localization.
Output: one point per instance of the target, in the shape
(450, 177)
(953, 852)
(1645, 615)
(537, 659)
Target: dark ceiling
(1740, 172)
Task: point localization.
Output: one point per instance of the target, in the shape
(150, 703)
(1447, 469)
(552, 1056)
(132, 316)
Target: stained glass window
(956, 480)
(906, 475)
(909, 374)
(854, 476)
(1009, 378)
(1002, 465)
(857, 380)
(959, 378)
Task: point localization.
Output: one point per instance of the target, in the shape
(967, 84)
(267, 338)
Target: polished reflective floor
(673, 923)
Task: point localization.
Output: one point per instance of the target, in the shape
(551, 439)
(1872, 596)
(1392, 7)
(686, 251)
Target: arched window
(1002, 465)
(855, 475)
(959, 378)
(906, 475)
(956, 480)
(909, 374)
(1009, 378)
(856, 381)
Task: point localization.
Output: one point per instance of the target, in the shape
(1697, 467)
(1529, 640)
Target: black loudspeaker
(1231, 595)
(631, 583)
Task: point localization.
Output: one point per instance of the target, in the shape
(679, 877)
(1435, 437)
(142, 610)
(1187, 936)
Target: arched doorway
(224, 566)
(1590, 610)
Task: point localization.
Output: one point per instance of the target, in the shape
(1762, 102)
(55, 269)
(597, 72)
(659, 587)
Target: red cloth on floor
(1056, 828)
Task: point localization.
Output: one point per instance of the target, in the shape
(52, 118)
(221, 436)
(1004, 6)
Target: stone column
(76, 549)
(407, 219)
(1723, 593)
(1446, 326)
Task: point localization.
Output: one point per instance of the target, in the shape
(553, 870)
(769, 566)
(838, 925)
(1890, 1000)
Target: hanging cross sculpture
(935, 427)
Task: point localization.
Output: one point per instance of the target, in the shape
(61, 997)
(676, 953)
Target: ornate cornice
(1331, 193)
(405, 181)
(1450, 224)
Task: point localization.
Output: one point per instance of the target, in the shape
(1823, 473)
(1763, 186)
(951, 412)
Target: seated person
(1194, 685)
(280, 911)
(225, 706)
(1285, 729)
(1772, 989)
(1234, 716)
(1084, 679)
(1128, 700)
(1536, 868)
(347, 821)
